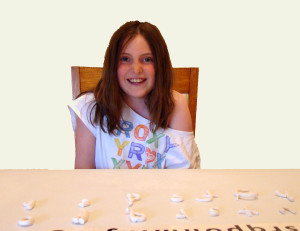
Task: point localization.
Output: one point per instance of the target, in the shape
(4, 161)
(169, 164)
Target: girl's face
(136, 72)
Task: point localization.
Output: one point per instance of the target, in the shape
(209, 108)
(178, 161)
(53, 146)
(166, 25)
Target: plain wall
(248, 55)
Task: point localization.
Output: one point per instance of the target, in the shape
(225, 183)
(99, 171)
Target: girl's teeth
(135, 80)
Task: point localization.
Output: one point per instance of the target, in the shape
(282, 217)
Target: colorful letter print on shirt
(137, 147)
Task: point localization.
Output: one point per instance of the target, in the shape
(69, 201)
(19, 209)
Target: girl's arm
(180, 119)
(84, 146)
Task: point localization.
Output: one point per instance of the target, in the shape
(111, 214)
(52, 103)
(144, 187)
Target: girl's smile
(136, 81)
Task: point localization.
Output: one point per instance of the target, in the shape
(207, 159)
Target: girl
(133, 119)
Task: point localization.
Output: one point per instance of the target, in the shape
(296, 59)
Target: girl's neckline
(134, 112)
(145, 120)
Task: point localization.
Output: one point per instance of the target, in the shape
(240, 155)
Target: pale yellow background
(248, 53)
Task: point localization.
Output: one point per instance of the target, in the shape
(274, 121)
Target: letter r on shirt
(136, 149)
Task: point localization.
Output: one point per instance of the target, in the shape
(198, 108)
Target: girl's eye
(148, 59)
(124, 59)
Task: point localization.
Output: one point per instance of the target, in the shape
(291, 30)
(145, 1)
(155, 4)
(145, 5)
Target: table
(58, 192)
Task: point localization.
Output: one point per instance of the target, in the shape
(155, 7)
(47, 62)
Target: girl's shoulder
(180, 118)
(86, 97)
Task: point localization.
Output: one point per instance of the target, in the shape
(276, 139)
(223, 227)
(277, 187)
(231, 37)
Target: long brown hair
(108, 94)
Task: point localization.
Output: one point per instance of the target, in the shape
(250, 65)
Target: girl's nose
(137, 68)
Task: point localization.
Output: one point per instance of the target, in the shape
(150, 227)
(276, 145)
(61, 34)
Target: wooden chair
(185, 81)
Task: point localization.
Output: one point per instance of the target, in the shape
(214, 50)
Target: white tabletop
(58, 192)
